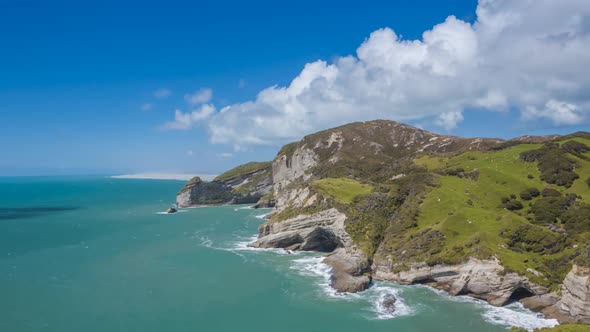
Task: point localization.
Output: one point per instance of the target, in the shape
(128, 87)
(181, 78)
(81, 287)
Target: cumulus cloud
(202, 96)
(559, 112)
(532, 56)
(185, 121)
(449, 120)
(162, 93)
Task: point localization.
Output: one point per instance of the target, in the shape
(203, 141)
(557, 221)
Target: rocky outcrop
(483, 279)
(323, 231)
(198, 192)
(351, 271)
(245, 184)
(574, 304)
(387, 302)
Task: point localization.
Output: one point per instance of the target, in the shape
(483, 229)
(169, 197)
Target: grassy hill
(528, 205)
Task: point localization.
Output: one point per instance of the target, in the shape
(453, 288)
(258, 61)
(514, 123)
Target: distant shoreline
(164, 176)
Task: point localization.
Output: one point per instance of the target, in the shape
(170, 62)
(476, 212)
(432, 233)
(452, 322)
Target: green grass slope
(244, 169)
(464, 215)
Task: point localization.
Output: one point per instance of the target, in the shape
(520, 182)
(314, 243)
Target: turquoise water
(93, 254)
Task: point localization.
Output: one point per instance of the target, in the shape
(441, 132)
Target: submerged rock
(387, 302)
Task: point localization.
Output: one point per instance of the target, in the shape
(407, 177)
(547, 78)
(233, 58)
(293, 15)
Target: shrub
(512, 205)
(529, 193)
(554, 165)
(577, 218)
(550, 192)
(548, 209)
(575, 147)
(535, 239)
(588, 181)
(530, 176)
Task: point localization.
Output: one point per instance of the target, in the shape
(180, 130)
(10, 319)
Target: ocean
(97, 254)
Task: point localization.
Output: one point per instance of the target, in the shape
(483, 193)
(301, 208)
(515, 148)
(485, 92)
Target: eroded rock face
(323, 231)
(484, 279)
(351, 271)
(244, 188)
(575, 295)
(198, 192)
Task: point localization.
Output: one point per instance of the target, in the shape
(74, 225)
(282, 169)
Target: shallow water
(95, 254)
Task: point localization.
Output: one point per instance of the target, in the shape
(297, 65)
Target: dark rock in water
(388, 303)
(171, 210)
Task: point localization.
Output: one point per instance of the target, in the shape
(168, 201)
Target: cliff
(498, 220)
(244, 184)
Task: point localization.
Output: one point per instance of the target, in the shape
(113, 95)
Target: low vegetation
(244, 169)
(343, 189)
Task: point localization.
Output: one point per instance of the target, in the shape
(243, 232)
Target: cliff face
(244, 184)
(575, 298)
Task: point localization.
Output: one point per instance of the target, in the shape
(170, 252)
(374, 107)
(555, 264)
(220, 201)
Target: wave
(315, 267)
(262, 216)
(165, 212)
(378, 294)
(242, 245)
(514, 314)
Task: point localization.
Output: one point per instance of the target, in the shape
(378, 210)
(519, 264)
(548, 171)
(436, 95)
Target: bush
(550, 192)
(535, 239)
(554, 165)
(577, 218)
(575, 147)
(529, 193)
(548, 209)
(588, 181)
(512, 205)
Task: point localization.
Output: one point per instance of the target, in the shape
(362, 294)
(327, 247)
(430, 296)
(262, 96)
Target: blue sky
(79, 82)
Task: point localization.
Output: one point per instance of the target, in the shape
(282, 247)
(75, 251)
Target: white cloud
(184, 121)
(532, 56)
(162, 93)
(225, 155)
(147, 107)
(449, 120)
(190, 153)
(202, 96)
(559, 112)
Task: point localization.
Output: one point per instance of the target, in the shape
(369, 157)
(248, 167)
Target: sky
(124, 87)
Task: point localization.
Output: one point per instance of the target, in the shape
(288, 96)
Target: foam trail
(377, 295)
(314, 267)
(514, 314)
(243, 246)
(262, 216)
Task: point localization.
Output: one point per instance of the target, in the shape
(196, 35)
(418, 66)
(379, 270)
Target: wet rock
(387, 302)
(171, 210)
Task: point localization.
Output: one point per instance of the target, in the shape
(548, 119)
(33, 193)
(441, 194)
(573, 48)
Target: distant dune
(165, 176)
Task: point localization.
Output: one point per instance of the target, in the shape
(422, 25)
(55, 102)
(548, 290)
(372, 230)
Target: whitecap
(243, 245)
(378, 293)
(315, 267)
(514, 314)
